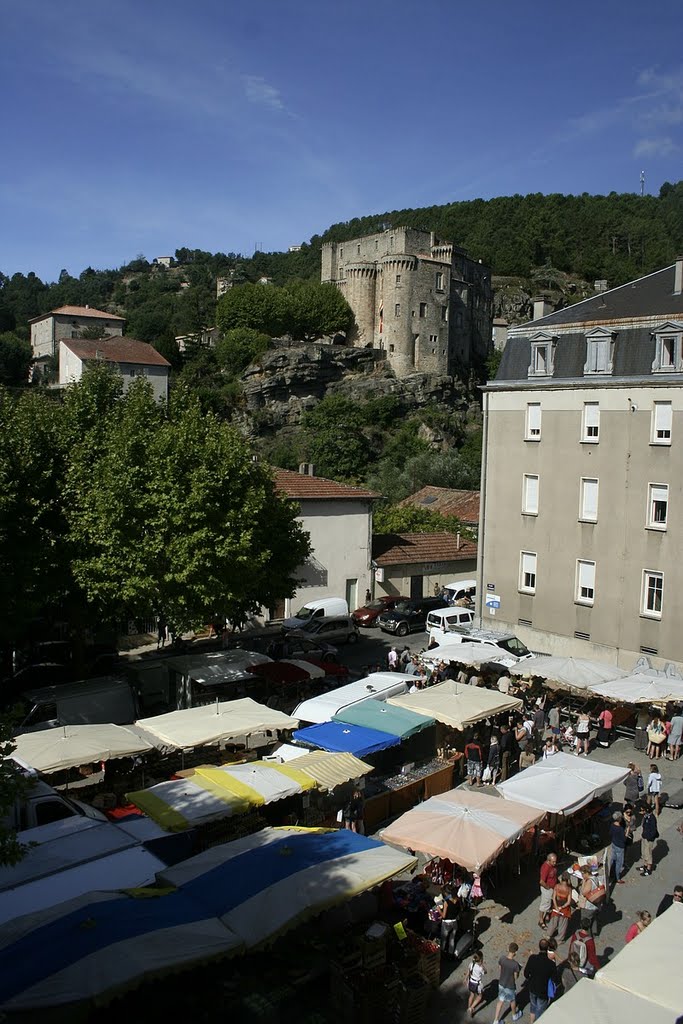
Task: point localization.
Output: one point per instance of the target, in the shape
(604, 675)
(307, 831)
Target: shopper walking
(649, 836)
(540, 969)
(617, 848)
(507, 984)
(475, 983)
(561, 911)
(654, 788)
(675, 736)
(591, 898)
(583, 734)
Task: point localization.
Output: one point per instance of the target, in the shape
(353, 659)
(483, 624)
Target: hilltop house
(50, 328)
(132, 358)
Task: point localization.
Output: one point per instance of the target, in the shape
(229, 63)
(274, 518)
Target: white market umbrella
(562, 784)
(314, 671)
(580, 673)
(53, 750)
(641, 689)
(467, 654)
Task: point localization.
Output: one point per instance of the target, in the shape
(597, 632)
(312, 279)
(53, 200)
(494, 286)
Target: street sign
(493, 600)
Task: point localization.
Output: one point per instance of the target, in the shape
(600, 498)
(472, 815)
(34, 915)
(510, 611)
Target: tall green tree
(169, 514)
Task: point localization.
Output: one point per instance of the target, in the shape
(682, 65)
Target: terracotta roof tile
(401, 548)
(116, 350)
(317, 488)
(78, 311)
(449, 502)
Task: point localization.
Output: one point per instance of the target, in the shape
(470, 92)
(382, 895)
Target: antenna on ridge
(642, 183)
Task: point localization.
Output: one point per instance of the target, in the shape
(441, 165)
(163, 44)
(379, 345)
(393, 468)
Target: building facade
(423, 301)
(68, 322)
(420, 564)
(338, 519)
(133, 359)
(582, 478)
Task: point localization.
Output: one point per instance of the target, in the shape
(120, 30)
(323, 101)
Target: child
(475, 982)
(654, 788)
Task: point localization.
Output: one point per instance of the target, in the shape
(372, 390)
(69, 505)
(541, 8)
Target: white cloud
(260, 92)
(658, 147)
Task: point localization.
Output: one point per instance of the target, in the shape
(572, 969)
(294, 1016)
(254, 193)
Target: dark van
(410, 616)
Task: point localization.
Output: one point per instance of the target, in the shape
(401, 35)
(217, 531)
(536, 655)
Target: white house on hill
(132, 358)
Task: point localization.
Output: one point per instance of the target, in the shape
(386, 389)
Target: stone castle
(422, 301)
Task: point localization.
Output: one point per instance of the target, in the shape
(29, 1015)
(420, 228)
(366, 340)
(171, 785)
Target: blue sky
(143, 125)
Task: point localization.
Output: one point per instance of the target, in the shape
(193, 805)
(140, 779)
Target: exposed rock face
(292, 378)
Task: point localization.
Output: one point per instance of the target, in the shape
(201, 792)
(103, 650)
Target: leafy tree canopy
(410, 519)
(239, 347)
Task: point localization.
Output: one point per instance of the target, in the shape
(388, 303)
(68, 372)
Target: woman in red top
(643, 919)
(604, 727)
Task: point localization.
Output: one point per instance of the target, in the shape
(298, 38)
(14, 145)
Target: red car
(369, 613)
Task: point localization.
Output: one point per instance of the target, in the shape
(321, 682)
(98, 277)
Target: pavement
(511, 915)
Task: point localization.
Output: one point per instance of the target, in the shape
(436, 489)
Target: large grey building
(423, 301)
(582, 478)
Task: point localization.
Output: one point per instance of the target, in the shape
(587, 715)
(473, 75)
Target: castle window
(423, 309)
(391, 242)
(341, 254)
(398, 279)
(376, 244)
(434, 339)
(358, 249)
(341, 273)
(397, 309)
(391, 348)
(439, 282)
(444, 313)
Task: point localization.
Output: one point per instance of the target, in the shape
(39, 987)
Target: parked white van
(507, 643)
(322, 608)
(443, 622)
(460, 590)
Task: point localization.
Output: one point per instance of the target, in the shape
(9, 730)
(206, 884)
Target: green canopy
(376, 714)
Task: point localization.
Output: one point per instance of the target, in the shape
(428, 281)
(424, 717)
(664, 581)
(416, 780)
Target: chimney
(87, 306)
(306, 469)
(457, 541)
(599, 286)
(678, 276)
(542, 306)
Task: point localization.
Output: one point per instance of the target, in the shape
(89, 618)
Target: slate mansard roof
(631, 313)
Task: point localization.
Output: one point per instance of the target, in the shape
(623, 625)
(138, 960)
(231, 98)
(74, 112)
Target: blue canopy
(346, 738)
(377, 714)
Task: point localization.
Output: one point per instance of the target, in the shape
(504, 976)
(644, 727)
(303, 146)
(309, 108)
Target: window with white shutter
(591, 422)
(527, 572)
(657, 506)
(588, 511)
(530, 495)
(533, 422)
(585, 582)
(661, 423)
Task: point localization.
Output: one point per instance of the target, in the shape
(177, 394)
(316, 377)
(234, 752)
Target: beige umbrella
(469, 828)
(457, 704)
(578, 673)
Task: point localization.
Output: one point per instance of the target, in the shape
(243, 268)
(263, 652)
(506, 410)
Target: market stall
(468, 828)
(379, 715)
(208, 794)
(70, 746)
(641, 689)
(467, 654)
(562, 784)
(587, 1001)
(650, 966)
(352, 739)
(390, 794)
(574, 673)
(457, 705)
(212, 724)
(376, 686)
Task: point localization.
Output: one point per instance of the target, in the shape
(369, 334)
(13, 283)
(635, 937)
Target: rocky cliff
(292, 378)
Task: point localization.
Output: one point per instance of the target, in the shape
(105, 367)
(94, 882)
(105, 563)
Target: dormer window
(542, 355)
(668, 348)
(599, 351)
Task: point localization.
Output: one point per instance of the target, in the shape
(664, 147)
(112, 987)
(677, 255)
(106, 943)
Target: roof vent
(523, 622)
(649, 650)
(581, 636)
(429, 500)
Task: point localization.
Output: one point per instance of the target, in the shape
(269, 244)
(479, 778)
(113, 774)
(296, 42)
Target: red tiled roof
(116, 350)
(402, 548)
(78, 311)
(449, 502)
(317, 488)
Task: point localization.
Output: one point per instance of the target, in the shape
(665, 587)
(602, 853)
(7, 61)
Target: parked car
(324, 607)
(293, 646)
(508, 643)
(370, 612)
(443, 622)
(338, 629)
(409, 616)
